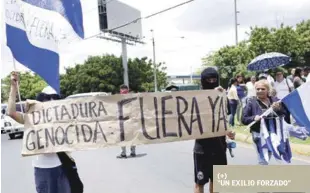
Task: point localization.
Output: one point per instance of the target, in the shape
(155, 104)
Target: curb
(296, 148)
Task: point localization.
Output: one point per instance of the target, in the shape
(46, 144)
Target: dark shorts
(51, 180)
(203, 164)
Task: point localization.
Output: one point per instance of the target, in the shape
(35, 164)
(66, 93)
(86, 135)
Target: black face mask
(206, 74)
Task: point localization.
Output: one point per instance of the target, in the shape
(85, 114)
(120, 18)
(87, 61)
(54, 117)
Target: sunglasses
(47, 97)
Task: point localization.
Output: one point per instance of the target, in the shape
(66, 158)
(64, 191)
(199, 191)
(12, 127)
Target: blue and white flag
(34, 29)
(273, 140)
(298, 103)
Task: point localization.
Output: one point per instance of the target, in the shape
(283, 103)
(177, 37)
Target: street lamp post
(236, 22)
(154, 62)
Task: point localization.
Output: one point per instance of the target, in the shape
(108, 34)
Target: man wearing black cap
(209, 151)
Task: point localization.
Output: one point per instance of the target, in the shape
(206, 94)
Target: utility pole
(124, 58)
(236, 21)
(154, 62)
(191, 74)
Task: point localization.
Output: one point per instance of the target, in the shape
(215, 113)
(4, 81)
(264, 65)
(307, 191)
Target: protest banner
(122, 120)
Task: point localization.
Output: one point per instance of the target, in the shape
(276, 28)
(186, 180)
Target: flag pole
(18, 92)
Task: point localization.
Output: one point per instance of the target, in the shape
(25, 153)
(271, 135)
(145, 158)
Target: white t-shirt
(282, 88)
(49, 160)
(251, 89)
(270, 80)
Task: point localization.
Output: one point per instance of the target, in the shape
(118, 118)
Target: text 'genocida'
(67, 125)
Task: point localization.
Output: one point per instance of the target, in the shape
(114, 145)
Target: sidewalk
(301, 149)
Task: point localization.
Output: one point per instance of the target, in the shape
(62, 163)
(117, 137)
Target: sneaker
(122, 156)
(133, 154)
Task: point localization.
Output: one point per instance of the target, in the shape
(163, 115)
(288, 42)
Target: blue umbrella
(268, 61)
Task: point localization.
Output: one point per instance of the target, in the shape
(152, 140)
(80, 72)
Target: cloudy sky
(206, 25)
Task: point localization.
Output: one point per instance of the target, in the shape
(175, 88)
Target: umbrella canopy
(268, 61)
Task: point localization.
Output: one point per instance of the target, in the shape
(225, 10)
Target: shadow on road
(139, 155)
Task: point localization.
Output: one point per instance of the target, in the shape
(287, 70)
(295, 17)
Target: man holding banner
(209, 151)
(51, 176)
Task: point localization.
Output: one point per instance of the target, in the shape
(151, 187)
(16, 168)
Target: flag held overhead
(34, 29)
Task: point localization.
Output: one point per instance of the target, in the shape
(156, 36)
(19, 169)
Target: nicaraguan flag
(298, 103)
(273, 140)
(34, 29)
(264, 135)
(285, 147)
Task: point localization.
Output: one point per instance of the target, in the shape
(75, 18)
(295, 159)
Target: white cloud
(206, 26)
(217, 16)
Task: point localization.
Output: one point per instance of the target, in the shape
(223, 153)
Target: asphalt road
(158, 168)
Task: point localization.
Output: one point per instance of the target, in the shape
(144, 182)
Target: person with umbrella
(266, 62)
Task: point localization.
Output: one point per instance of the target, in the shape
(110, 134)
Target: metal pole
(124, 58)
(191, 74)
(154, 63)
(236, 22)
(17, 85)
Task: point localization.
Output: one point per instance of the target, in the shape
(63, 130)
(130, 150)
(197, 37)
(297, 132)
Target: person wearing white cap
(50, 174)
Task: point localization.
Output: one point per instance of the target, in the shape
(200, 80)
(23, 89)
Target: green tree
(105, 74)
(29, 86)
(303, 31)
(284, 40)
(294, 42)
(230, 61)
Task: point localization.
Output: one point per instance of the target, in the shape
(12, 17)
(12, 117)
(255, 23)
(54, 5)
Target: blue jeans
(233, 108)
(51, 180)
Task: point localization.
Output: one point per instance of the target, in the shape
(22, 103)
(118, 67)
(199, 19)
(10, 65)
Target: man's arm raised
(17, 116)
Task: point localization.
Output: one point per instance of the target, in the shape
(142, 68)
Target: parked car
(8, 125)
(88, 94)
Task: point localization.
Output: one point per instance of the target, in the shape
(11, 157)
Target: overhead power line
(151, 15)
(140, 18)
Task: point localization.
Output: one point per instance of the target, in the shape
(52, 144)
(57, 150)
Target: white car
(10, 126)
(88, 94)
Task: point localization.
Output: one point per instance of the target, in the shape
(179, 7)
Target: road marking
(294, 158)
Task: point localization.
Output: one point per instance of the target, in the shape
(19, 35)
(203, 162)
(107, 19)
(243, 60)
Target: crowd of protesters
(248, 98)
(241, 88)
(256, 94)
